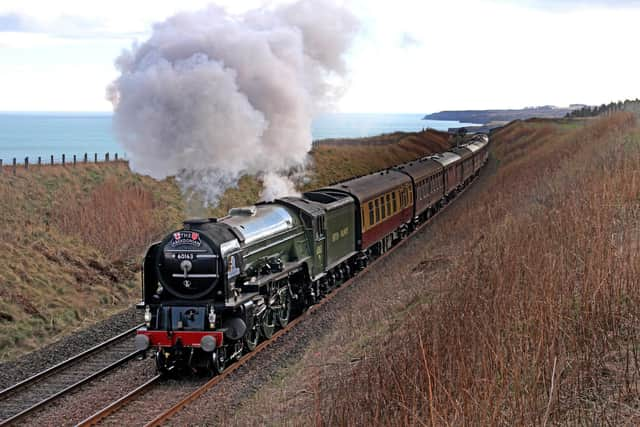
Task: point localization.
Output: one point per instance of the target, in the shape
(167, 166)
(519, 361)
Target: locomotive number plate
(182, 256)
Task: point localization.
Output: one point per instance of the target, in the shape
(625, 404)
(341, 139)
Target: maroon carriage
(385, 202)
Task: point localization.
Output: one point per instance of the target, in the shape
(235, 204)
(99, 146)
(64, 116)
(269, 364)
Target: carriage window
(388, 204)
(377, 210)
(393, 199)
(371, 213)
(382, 207)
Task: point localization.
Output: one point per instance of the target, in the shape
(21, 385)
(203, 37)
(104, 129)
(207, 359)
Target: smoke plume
(213, 96)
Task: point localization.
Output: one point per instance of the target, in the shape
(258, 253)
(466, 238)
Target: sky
(409, 57)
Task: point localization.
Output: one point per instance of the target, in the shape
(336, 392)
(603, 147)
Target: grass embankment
(66, 236)
(71, 238)
(334, 162)
(525, 306)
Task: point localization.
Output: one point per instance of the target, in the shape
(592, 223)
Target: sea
(33, 135)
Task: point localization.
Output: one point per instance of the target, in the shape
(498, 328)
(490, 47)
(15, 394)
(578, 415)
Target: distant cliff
(488, 116)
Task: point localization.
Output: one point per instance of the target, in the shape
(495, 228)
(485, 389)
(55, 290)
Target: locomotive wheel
(268, 324)
(284, 312)
(219, 360)
(251, 338)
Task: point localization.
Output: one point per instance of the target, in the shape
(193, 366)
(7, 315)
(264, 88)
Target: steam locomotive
(215, 288)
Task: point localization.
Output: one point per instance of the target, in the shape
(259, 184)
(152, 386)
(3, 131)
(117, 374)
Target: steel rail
(47, 372)
(217, 379)
(118, 404)
(70, 388)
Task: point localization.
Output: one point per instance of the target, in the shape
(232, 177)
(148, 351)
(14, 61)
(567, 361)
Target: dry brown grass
(331, 163)
(540, 324)
(115, 218)
(61, 270)
(526, 306)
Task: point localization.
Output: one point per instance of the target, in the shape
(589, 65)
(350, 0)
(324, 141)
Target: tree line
(632, 105)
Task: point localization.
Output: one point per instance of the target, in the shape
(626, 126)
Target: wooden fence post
(14, 165)
(63, 159)
(52, 160)
(95, 157)
(1, 168)
(106, 157)
(115, 157)
(26, 162)
(74, 160)
(85, 158)
(39, 161)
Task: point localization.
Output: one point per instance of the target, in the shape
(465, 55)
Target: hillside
(519, 306)
(71, 238)
(492, 116)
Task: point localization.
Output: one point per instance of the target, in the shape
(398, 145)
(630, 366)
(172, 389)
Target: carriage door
(320, 249)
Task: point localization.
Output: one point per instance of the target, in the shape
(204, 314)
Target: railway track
(122, 402)
(165, 414)
(35, 392)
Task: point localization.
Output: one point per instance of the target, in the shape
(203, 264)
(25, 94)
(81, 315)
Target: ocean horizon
(43, 134)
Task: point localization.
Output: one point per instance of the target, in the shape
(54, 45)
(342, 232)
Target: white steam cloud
(213, 96)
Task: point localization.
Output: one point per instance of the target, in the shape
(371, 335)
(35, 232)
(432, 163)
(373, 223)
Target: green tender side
(340, 224)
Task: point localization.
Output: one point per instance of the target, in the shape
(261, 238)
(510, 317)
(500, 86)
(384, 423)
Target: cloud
(64, 26)
(407, 40)
(570, 5)
(12, 22)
